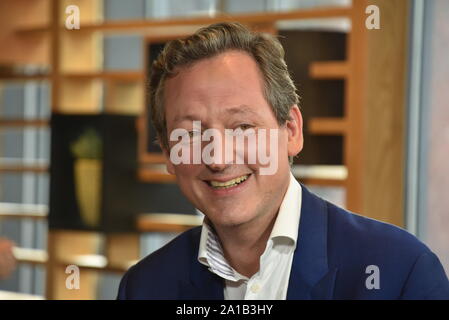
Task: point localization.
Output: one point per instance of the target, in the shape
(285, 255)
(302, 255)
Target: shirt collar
(287, 221)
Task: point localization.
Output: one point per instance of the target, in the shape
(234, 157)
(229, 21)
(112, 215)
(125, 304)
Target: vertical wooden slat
(54, 60)
(80, 51)
(50, 268)
(385, 116)
(354, 107)
(54, 54)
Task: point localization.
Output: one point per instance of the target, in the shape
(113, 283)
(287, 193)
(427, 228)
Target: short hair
(210, 41)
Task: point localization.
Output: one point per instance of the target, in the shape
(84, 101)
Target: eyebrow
(240, 110)
(190, 117)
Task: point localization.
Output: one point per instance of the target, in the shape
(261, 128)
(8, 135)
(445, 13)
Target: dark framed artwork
(93, 176)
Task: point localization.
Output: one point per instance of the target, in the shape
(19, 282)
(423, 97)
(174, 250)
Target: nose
(222, 155)
(217, 167)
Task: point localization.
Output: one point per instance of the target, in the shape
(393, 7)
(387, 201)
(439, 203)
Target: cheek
(185, 172)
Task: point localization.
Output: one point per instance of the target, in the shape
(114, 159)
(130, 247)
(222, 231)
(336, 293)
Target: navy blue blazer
(334, 249)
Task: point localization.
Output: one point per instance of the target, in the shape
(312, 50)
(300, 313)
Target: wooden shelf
(95, 262)
(329, 70)
(167, 222)
(23, 123)
(24, 77)
(8, 295)
(23, 215)
(328, 126)
(36, 28)
(322, 182)
(321, 175)
(106, 75)
(33, 256)
(258, 18)
(18, 169)
(155, 176)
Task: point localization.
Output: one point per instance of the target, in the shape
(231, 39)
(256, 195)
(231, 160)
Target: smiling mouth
(228, 184)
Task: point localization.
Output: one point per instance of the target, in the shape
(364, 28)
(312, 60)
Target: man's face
(226, 92)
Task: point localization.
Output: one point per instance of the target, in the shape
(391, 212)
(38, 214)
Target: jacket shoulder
(157, 275)
(407, 267)
(371, 236)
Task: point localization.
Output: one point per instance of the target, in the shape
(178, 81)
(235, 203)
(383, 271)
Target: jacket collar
(310, 277)
(203, 284)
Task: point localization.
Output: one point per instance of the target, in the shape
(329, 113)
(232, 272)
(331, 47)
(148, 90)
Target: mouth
(221, 185)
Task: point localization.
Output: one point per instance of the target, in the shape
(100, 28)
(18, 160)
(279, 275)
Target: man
(265, 236)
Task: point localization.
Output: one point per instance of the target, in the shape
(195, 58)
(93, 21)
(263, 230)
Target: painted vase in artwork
(87, 152)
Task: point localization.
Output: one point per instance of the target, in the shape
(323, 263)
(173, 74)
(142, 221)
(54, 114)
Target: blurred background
(82, 182)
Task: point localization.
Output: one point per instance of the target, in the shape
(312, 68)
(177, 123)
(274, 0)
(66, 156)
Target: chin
(229, 219)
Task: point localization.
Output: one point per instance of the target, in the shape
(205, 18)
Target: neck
(244, 244)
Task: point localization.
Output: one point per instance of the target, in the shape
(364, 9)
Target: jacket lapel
(203, 284)
(310, 277)
(206, 287)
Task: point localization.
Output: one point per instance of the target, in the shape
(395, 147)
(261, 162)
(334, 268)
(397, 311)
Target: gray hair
(207, 42)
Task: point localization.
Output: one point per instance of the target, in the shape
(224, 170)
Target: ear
(169, 165)
(294, 130)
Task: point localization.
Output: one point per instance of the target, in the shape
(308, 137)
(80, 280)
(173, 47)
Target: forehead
(213, 85)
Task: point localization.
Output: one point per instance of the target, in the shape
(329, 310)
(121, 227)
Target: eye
(245, 126)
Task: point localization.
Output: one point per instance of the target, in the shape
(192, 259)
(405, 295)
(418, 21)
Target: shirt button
(255, 288)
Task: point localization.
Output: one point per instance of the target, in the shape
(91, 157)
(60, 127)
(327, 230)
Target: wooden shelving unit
(77, 80)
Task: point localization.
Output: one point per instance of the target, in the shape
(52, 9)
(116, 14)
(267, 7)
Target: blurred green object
(87, 150)
(88, 145)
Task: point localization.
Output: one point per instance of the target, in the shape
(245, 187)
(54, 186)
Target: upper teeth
(230, 182)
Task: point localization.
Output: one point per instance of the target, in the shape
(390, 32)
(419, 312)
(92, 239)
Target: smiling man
(264, 236)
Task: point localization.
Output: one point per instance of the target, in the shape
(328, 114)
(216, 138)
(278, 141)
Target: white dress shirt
(271, 281)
